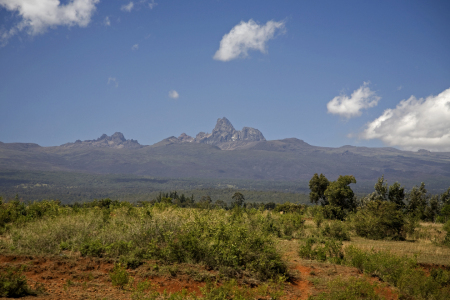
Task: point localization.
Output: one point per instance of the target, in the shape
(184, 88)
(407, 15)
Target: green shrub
(441, 276)
(13, 284)
(288, 224)
(336, 230)
(289, 207)
(93, 248)
(220, 246)
(239, 240)
(386, 266)
(334, 212)
(130, 261)
(446, 227)
(65, 246)
(380, 220)
(349, 289)
(401, 272)
(119, 276)
(16, 211)
(321, 249)
(444, 214)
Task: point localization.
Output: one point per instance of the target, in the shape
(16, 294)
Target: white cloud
(37, 15)
(246, 36)
(107, 22)
(127, 7)
(414, 124)
(174, 94)
(399, 88)
(152, 4)
(114, 81)
(135, 47)
(362, 98)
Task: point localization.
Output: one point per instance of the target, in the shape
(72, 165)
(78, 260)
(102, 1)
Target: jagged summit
(223, 132)
(117, 140)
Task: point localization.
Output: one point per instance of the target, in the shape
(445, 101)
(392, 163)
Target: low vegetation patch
(235, 242)
(349, 289)
(14, 285)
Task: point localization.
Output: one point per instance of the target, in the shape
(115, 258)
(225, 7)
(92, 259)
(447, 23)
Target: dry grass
(423, 243)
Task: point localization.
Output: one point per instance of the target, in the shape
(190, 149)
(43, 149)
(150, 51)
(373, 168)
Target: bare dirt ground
(76, 277)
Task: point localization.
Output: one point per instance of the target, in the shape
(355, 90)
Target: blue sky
(331, 73)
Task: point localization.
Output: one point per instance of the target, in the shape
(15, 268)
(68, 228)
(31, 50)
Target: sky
(332, 73)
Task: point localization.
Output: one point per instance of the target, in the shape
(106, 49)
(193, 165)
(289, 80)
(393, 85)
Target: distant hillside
(228, 154)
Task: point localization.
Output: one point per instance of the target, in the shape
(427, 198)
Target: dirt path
(302, 286)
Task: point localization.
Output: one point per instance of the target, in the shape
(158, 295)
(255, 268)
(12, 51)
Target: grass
(238, 253)
(235, 242)
(425, 243)
(401, 272)
(427, 252)
(349, 289)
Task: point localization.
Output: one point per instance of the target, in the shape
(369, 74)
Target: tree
(205, 202)
(220, 204)
(417, 200)
(338, 193)
(380, 220)
(432, 209)
(318, 185)
(381, 189)
(397, 195)
(238, 198)
(445, 197)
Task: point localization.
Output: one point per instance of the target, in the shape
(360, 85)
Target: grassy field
(116, 250)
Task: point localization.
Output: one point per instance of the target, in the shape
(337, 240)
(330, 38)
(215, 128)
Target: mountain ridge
(251, 156)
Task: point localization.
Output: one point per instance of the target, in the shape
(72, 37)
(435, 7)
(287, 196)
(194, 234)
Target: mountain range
(227, 153)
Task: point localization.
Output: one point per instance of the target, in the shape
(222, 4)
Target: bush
(130, 261)
(336, 230)
(119, 276)
(16, 211)
(444, 214)
(288, 224)
(237, 241)
(93, 248)
(13, 284)
(386, 266)
(401, 272)
(316, 213)
(446, 241)
(220, 246)
(322, 249)
(380, 220)
(334, 212)
(349, 289)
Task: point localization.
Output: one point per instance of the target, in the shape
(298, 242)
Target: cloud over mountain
(247, 36)
(414, 124)
(348, 107)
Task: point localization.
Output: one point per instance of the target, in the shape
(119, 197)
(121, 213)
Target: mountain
(117, 141)
(223, 136)
(227, 153)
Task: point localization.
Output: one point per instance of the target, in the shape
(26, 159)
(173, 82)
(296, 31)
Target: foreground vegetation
(235, 247)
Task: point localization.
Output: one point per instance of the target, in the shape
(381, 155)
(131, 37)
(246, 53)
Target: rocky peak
(224, 125)
(224, 132)
(185, 138)
(118, 136)
(117, 140)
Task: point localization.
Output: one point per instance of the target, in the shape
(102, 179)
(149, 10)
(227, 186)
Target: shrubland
(239, 242)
